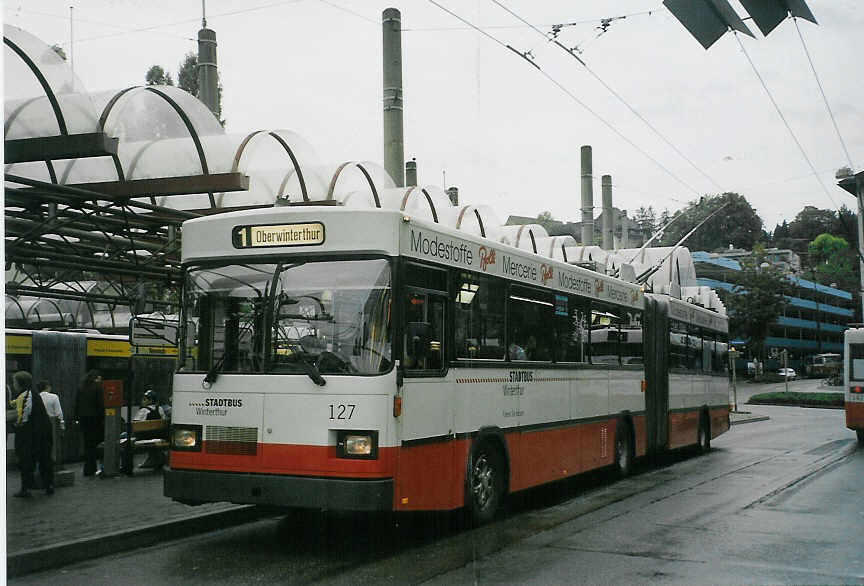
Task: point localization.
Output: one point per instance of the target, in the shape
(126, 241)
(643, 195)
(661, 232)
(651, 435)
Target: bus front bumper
(198, 486)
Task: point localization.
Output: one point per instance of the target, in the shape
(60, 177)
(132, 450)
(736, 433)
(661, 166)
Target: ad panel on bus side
(491, 258)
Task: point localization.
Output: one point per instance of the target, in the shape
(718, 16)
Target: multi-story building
(813, 320)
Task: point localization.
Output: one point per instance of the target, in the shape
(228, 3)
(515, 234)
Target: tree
(737, 224)
(808, 224)
(158, 76)
(546, 220)
(832, 261)
(646, 218)
(187, 75)
(756, 302)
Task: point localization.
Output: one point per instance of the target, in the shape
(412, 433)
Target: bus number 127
(341, 411)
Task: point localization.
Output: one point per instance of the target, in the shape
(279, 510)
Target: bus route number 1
(341, 411)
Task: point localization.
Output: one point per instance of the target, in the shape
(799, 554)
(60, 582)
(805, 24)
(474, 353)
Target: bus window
(479, 317)
(721, 354)
(707, 350)
(531, 332)
(856, 362)
(605, 334)
(630, 338)
(678, 344)
(424, 332)
(571, 329)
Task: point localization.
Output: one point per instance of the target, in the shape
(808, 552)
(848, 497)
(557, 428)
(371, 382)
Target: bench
(150, 437)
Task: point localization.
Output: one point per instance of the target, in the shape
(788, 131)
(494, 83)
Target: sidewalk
(96, 517)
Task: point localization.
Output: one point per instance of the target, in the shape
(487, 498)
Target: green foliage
(757, 302)
(187, 75)
(546, 220)
(158, 76)
(797, 398)
(646, 218)
(737, 224)
(832, 261)
(807, 225)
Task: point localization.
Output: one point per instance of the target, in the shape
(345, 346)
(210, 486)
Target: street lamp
(853, 183)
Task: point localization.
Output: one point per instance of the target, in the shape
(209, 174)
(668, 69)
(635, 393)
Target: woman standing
(33, 436)
(90, 413)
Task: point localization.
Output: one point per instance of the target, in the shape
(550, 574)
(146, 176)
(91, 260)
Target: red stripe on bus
(855, 415)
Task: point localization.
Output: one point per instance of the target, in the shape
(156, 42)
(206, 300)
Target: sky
(480, 117)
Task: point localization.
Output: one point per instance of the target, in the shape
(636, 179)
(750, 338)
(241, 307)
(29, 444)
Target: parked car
(788, 373)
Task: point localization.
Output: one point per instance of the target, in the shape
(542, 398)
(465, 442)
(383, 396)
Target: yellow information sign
(19, 344)
(115, 348)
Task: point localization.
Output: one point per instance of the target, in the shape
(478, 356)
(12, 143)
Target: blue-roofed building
(812, 322)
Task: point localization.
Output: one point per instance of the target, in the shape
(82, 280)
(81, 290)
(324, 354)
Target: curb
(750, 420)
(52, 556)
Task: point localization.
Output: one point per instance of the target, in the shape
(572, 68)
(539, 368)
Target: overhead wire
(783, 118)
(822, 91)
(96, 22)
(570, 94)
(618, 96)
(188, 20)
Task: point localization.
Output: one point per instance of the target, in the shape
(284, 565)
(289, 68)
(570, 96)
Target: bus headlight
(186, 438)
(358, 444)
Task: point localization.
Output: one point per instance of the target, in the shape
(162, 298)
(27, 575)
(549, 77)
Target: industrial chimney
(608, 220)
(208, 75)
(394, 155)
(411, 173)
(587, 198)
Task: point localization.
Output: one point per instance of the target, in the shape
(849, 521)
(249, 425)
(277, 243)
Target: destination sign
(309, 234)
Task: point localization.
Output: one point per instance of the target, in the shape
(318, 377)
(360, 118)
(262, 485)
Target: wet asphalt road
(779, 501)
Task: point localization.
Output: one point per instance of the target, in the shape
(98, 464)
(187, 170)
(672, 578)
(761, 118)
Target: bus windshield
(329, 316)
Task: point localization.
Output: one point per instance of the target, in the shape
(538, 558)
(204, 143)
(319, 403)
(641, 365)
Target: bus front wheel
(485, 484)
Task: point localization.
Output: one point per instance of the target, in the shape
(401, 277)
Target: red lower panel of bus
(855, 415)
(719, 421)
(432, 476)
(684, 426)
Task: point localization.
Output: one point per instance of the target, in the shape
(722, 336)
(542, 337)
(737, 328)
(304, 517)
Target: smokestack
(587, 198)
(608, 220)
(411, 173)
(208, 75)
(453, 194)
(394, 155)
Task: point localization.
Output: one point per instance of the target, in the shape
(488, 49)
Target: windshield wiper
(311, 370)
(213, 373)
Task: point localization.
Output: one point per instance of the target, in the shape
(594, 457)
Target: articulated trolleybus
(853, 378)
(362, 359)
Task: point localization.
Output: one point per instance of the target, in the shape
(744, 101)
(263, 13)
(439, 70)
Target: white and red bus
(365, 359)
(853, 379)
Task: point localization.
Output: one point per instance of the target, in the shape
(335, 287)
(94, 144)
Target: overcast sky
(501, 131)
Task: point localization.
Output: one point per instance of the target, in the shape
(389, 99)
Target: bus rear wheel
(703, 438)
(623, 451)
(485, 484)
